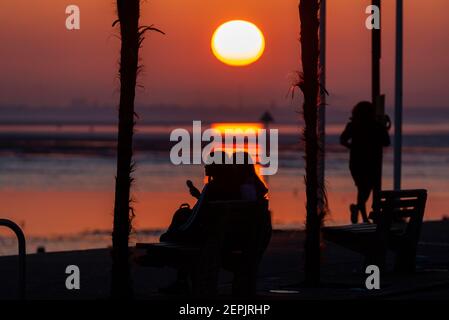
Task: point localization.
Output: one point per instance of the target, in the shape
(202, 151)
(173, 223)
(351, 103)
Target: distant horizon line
(200, 105)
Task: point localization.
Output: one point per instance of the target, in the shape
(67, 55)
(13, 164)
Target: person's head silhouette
(363, 112)
(216, 164)
(245, 176)
(243, 165)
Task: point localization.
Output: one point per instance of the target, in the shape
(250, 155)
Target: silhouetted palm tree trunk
(308, 12)
(128, 17)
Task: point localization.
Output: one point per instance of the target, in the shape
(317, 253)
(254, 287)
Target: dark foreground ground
(280, 277)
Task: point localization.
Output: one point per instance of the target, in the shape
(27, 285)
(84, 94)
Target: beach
(280, 274)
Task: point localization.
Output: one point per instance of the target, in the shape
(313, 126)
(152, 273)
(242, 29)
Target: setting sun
(238, 43)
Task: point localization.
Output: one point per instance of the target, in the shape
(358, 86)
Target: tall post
(310, 56)
(375, 62)
(266, 119)
(322, 109)
(398, 95)
(377, 99)
(128, 17)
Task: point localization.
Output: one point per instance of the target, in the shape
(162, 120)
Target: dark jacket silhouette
(365, 137)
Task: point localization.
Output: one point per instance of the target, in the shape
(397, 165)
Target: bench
(233, 238)
(398, 220)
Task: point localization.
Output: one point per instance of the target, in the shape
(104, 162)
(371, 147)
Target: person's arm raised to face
(385, 137)
(193, 190)
(346, 136)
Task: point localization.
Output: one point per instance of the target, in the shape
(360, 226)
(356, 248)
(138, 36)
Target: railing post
(22, 254)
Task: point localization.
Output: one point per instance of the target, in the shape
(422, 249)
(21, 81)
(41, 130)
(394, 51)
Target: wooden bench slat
(402, 203)
(403, 193)
(156, 244)
(352, 227)
(166, 245)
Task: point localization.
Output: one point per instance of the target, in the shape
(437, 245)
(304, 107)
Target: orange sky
(44, 64)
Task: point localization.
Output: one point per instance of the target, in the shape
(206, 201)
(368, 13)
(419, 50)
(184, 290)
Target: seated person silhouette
(364, 136)
(225, 182)
(186, 222)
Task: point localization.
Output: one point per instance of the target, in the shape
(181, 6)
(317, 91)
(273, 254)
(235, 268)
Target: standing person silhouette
(364, 136)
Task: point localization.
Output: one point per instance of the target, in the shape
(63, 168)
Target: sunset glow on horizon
(241, 130)
(235, 127)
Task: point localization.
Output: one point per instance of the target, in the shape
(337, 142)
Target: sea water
(57, 183)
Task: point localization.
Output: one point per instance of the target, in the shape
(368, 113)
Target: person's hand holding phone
(192, 189)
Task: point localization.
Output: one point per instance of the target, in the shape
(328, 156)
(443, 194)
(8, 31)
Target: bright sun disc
(238, 43)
